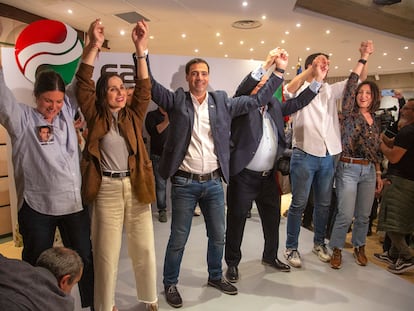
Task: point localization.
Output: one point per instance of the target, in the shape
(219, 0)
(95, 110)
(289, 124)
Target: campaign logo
(48, 44)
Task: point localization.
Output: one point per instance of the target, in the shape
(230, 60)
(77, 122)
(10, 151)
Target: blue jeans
(38, 232)
(307, 170)
(160, 184)
(355, 190)
(185, 194)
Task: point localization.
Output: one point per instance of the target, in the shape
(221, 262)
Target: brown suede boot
(359, 255)
(336, 258)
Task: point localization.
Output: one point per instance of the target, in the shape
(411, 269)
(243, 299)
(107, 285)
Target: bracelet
(142, 56)
(362, 61)
(280, 70)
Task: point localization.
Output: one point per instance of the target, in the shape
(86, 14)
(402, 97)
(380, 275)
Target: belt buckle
(265, 173)
(123, 174)
(202, 178)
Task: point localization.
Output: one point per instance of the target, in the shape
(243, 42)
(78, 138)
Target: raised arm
(140, 38)
(96, 39)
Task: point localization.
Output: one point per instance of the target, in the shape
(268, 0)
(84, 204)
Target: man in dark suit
(257, 141)
(196, 156)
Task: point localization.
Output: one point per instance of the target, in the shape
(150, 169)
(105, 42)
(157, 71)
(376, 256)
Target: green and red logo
(48, 44)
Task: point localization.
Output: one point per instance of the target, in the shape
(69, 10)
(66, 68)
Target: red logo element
(48, 44)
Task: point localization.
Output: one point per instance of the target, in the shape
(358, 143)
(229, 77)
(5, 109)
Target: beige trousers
(115, 206)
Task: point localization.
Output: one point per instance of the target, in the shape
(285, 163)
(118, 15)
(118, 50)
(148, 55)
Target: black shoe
(162, 215)
(232, 274)
(224, 286)
(277, 264)
(173, 296)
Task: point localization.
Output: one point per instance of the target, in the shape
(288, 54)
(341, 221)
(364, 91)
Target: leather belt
(355, 161)
(261, 174)
(199, 177)
(116, 174)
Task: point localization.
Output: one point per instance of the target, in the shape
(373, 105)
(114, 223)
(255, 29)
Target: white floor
(313, 287)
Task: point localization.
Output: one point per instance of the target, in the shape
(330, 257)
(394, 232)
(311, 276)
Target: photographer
(396, 214)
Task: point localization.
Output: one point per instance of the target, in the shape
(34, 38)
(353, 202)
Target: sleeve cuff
(258, 73)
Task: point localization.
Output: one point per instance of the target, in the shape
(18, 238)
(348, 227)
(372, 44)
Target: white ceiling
(202, 20)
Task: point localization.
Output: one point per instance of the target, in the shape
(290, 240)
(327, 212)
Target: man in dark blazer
(196, 156)
(257, 141)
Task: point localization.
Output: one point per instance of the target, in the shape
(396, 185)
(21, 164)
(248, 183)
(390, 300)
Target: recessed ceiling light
(122, 32)
(245, 3)
(405, 47)
(196, 50)
(221, 43)
(328, 32)
(282, 41)
(298, 25)
(70, 11)
(151, 37)
(349, 59)
(264, 17)
(399, 58)
(226, 55)
(218, 34)
(385, 54)
(251, 49)
(336, 67)
(307, 49)
(183, 35)
(262, 42)
(379, 67)
(412, 63)
(330, 54)
(241, 42)
(286, 32)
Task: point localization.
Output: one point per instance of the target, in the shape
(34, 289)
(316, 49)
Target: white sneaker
(293, 257)
(322, 252)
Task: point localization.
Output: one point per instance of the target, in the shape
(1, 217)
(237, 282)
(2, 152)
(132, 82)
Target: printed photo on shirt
(45, 134)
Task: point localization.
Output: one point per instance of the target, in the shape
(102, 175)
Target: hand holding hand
(96, 34)
(366, 49)
(140, 35)
(281, 57)
(320, 68)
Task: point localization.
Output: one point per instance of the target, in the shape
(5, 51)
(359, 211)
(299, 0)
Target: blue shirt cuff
(258, 73)
(315, 86)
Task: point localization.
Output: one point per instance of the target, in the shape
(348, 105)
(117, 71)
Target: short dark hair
(61, 261)
(375, 94)
(48, 80)
(102, 90)
(195, 61)
(310, 58)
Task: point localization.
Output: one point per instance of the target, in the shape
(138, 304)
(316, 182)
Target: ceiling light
(218, 34)
(264, 17)
(349, 59)
(385, 54)
(245, 3)
(241, 42)
(262, 42)
(282, 41)
(183, 35)
(399, 58)
(298, 25)
(122, 32)
(336, 67)
(221, 42)
(379, 67)
(328, 32)
(286, 32)
(405, 47)
(307, 49)
(226, 55)
(70, 11)
(251, 49)
(196, 50)
(151, 37)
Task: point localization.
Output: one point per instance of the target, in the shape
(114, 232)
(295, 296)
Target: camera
(391, 130)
